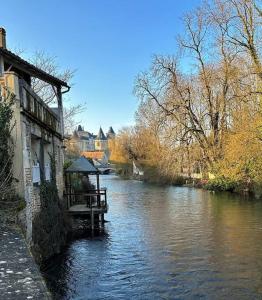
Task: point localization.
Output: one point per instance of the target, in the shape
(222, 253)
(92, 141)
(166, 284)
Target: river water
(165, 243)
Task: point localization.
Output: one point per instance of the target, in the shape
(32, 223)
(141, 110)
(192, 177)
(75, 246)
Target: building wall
(86, 145)
(101, 145)
(59, 160)
(27, 136)
(83, 145)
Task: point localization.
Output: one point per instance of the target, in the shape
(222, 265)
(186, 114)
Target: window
(36, 173)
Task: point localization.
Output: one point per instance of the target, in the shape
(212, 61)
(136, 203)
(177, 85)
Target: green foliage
(48, 193)
(152, 175)
(6, 143)
(49, 226)
(53, 169)
(222, 184)
(124, 170)
(67, 164)
(256, 190)
(21, 204)
(178, 180)
(48, 190)
(76, 182)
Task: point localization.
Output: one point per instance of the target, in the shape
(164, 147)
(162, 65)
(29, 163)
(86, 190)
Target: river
(165, 243)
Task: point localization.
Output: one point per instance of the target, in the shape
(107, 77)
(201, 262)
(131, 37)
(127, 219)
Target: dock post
(92, 220)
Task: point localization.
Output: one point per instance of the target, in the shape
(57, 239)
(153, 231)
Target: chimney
(2, 38)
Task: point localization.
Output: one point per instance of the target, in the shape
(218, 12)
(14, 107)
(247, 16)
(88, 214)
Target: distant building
(84, 140)
(101, 143)
(92, 146)
(111, 134)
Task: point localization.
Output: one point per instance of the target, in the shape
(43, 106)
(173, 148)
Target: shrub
(178, 180)
(221, 184)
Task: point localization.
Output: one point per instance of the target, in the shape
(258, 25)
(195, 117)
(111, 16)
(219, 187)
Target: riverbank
(218, 184)
(150, 175)
(20, 277)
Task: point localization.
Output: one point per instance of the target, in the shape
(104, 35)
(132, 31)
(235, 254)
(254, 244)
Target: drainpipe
(68, 89)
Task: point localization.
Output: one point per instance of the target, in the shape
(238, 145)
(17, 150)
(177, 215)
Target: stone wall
(27, 177)
(43, 217)
(45, 225)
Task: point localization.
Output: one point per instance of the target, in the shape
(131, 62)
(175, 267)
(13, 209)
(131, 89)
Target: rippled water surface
(165, 243)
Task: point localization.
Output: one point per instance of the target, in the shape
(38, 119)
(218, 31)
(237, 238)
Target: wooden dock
(92, 203)
(82, 209)
(84, 200)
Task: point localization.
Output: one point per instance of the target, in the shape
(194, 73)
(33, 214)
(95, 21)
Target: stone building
(101, 143)
(86, 141)
(95, 147)
(110, 134)
(38, 131)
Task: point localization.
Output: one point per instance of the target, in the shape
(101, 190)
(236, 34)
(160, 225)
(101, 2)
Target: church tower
(111, 134)
(101, 141)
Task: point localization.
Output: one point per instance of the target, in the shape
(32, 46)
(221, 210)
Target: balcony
(34, 106)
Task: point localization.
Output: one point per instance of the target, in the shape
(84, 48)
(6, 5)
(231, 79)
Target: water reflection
(165, 243)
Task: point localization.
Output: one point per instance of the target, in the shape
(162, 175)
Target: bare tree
(47, 92)
(48, 64)
(200, 104)
(241, 22)
(70, 114)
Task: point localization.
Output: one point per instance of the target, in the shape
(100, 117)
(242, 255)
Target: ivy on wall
(48, 189)
(49, 225)
(7, 100)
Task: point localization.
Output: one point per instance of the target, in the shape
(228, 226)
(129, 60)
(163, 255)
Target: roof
(111, 130)
(93, 154)
(30, 69)
(82, 165)
(82, 135)
(101, 135)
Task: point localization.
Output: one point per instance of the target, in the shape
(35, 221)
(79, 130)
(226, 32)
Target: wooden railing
(36, 107)
(91, 198)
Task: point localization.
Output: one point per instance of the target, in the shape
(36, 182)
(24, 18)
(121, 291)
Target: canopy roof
(82, 165)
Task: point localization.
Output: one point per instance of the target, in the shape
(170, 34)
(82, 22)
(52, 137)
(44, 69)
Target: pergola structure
(82, 198)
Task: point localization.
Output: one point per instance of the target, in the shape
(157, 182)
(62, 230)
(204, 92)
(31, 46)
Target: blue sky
(107, 42)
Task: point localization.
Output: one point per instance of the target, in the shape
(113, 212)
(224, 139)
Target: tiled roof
(93, 154)
(84, 138)
(82, 135)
